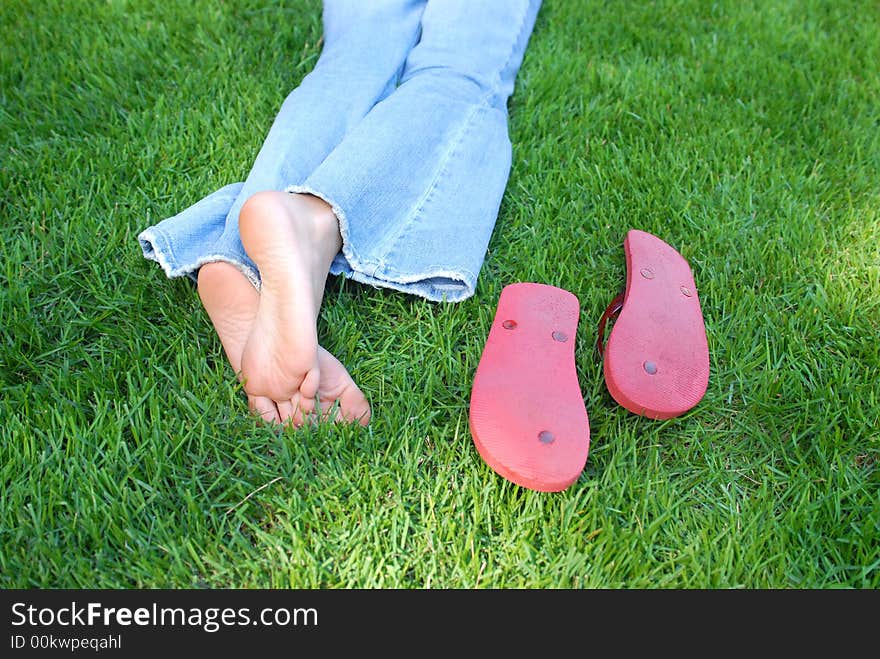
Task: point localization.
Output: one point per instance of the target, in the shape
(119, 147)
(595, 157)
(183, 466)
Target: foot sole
(656, 363)
(527, 414)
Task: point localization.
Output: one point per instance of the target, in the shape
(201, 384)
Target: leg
(415, 188)
(418, 183)
(365, 47)
(285, 246)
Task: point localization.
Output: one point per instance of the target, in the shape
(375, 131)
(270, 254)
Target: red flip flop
(527, 414)
(656, 363)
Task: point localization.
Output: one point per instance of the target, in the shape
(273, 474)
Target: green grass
(747, 134)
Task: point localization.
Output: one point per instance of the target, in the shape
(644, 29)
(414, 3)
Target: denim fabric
(402, 128)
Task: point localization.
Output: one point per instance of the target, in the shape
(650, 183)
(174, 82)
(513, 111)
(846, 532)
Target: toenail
(685, 291)
(562, 337)
(647, 273)
(546, 437)
(650, 367)
(509, 324)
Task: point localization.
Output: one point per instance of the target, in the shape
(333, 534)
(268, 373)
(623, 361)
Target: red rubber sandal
(527, 414)
(656, 363)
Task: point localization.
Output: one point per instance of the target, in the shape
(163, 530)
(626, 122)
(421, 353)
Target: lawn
(746, 134)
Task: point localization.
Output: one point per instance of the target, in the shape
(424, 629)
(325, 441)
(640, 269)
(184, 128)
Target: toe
(305, 410)
(286, 411)
(354, 406)
(308, 388)
(297, 419)
(264, 408)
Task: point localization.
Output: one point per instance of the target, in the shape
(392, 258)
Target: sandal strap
(611, 310)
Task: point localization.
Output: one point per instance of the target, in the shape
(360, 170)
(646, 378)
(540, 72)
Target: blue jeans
(401, 127)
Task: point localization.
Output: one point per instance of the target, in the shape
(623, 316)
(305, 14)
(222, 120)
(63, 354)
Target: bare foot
(292, 238)
(232, 302)
(231, 308)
